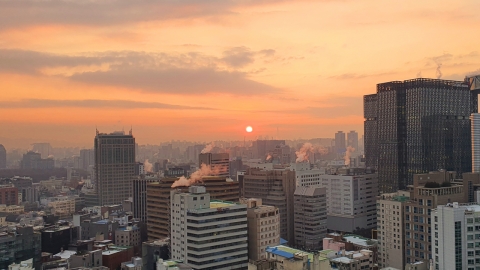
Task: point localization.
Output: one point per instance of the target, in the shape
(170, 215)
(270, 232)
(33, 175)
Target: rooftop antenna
(131, 130)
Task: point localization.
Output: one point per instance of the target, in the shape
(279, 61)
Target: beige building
(310, 209)
(390, 233)
(62, 206)
(354, 260)
(158, 201)
(13, 209)
(218, 162)
(275, 188)
(263, 228)
(427, 192)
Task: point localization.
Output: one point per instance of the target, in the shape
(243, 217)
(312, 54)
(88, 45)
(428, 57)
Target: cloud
(94, 103)
(190, 73)
(238, 57)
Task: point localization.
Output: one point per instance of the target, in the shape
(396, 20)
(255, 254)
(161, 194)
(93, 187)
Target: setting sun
(249, 129)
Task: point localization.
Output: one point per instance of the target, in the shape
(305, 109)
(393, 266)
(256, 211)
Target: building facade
(352, 139)
(455, 234)
(310, 214)
(140, 195)
(390, 229)
(208, 234)
(416, 126)
(219, 163)
(351, 197)
(158, 201)
(3, 157)
(8, 195)
(275, 188)
(263, 228)
(87, 158)
(340, 143)
(114, 167)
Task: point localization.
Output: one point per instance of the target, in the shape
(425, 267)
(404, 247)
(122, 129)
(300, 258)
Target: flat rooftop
(359, 240)
(220, 204)
(289, 252)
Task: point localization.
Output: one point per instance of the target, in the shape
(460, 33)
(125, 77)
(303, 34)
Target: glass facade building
(417, 126)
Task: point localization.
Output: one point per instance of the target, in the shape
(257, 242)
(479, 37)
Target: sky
(204, 70)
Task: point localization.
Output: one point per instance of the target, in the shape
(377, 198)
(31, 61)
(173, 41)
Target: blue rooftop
(283, 241)
(279, 252)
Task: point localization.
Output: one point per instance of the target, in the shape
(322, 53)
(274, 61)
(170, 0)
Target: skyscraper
(3, 157)
(114, 166)
(87, 158)
(417, 126)
(218, 162)
(475, 125)
(352, 139)
(340, 142)
(140, 195)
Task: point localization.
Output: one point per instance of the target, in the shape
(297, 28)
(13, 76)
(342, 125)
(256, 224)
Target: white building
(456, 236)
(208, 233)
(305, 176)
(391, 251)
(351, 199)
(475, 126)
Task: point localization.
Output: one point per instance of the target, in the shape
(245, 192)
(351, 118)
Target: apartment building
(263, 227)
(390, 229)
(208, 234)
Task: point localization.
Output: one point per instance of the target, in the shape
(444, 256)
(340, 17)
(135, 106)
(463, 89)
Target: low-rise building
(294, 259)
(353, 260)
(134, 264)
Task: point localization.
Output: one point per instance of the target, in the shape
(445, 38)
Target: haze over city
(204, 70)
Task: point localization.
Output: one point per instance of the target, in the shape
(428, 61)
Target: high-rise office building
(218, 162)
(114, 167)
(275, 188)
(455, 236)
(417, 126)
(310, 217)
(340, 142)
(352, 139)
(140, 195)
(44, 149)
(3, 157)
(158, 201)
(208, 234)
(263, 228)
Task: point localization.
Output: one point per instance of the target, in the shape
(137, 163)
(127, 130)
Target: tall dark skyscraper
(3, 157)
(114, 166)
(417, 126)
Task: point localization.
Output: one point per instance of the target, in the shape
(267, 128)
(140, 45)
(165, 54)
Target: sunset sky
(205, 69)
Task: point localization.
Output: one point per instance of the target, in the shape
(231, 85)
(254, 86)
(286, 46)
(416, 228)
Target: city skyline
(204, 69)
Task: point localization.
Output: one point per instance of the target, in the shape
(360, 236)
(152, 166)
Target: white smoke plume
(268, 157)
(208, 148)
(439, 71)
(348, 154)
(148, 167)
(307, 150)
(196, 177)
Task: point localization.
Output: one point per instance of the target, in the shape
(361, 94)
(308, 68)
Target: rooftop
(289, 252)
(220, 204)
(356, 239)
(66, 254)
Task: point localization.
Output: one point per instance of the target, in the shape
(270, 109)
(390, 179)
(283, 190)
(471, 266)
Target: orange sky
(203, 70)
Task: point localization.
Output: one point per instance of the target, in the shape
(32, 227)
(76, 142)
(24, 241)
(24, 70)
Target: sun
(249, 129)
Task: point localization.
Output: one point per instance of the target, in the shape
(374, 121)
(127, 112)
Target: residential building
(471, 186)
(3, 157)
(351, 197)
(350, 242)
(18, 244)
(134, 264)
(352, 140)
(427, 192)
(310, 214)
(353, 260)
(390, 229)
(86, 258)
(263, 227)
(140, 195)
(114, 166)
(340, 143)
(275, 188)
(219, 163)
(416, 126)
(106, 228)
(129, 236)
(62, 206)
(158, 201)
(171, 265)
(455, 232)
(12, 209)
(216, 230)
(30, 191)
(8, 195)
(114, 256)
